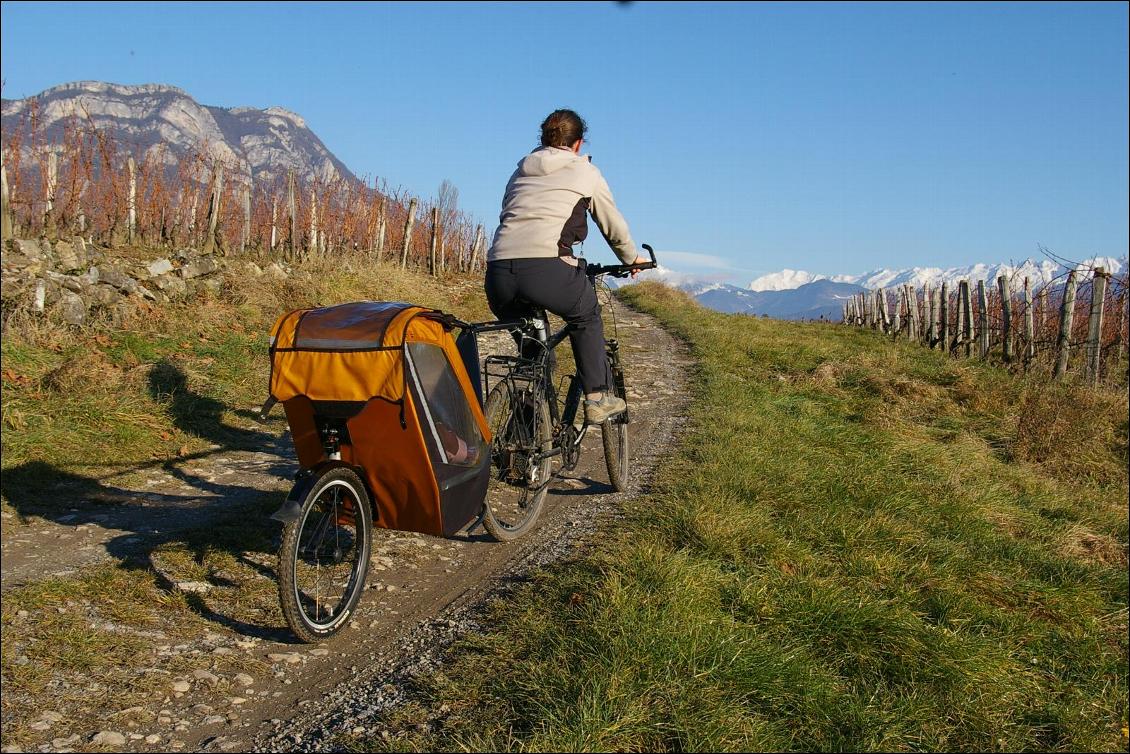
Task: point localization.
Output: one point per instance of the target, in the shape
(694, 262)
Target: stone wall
(70, 280)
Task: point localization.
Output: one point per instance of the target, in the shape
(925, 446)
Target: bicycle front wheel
(614, 433)
(324, 556)
(520, 427)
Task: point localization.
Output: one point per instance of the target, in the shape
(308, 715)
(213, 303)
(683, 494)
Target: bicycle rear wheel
(520, 429)
(324, 556)
(614, 433)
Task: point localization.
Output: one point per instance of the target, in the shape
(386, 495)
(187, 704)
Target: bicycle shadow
(205, 506)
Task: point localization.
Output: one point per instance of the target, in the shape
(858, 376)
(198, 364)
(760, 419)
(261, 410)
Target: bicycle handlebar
(622, 270)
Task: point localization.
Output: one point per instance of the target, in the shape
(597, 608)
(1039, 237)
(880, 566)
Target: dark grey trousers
(521, 287)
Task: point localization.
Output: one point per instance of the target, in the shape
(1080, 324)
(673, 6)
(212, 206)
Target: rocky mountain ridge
(166, 123)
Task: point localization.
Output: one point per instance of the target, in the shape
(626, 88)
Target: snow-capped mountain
(1038, 273)
(819, 299)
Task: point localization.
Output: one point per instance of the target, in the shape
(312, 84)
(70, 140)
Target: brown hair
(562, 128)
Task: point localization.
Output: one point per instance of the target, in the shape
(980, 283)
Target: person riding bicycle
(531, 266)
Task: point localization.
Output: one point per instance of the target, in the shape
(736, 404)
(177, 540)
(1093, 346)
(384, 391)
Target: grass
(859, 545)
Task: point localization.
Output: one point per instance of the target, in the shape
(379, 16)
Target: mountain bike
(329, 515)
(533, 427)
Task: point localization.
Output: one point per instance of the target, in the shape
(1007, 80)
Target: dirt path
(422, 592)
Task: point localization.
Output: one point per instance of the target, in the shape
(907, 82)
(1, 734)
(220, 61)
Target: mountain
(820, 298)
(1038, 273)
(271, 141)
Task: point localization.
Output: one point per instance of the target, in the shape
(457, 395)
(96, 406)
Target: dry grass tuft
(86, 370)
(1073, 432)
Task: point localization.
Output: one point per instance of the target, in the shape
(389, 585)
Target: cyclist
(531, 265)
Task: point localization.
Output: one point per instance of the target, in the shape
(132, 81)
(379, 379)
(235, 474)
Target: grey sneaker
(597, 411)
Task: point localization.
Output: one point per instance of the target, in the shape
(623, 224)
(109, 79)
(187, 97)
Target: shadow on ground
(216, 514)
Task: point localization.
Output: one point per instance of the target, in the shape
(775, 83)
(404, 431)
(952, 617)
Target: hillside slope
(861, 545)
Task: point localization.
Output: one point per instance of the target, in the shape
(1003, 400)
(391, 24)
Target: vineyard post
(433, 262)
(1042, 309)
(312, 242)
(477, 250)
(382, 225)
(931, 316)
(131, 223)
(214, 241)
(1006, 315)
(292, 210)
(5, 208)
(983, 316)
(1118, 340)
(944, 314)
(81, 219)
(49, 225)
(274, 222)
(245, 237)
(1029, 323)
(896, 319)
(1066, 319)
(408, 222)
(912, 310)
(967, 315)
(923, 311)
(1095, 325)
(443, 253)
(959, 321)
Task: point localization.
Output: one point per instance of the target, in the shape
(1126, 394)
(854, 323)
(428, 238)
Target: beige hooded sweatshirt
(544, 208)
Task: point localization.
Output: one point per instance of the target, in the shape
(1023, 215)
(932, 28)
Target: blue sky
(739, 138)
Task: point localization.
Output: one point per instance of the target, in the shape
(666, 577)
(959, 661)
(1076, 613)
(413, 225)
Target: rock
(319, 652)
(203, 709)
(90, 277)
(253, 268)
(199, 267)
(28, 247)
(109, 738)
(72, 308)
(114, 276)
(40, 725)
(214, 284)
(290, 658)
(159, 267)
(215, 720)
(152, 738)
(203, 675)
(181, 687)
(102, 295)
(193, 587)
(63, 743)
(40, 294)
(275, 270)
(243, 679)
(68, 260)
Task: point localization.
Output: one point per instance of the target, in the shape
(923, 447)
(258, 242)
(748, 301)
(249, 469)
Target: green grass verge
(858, 545)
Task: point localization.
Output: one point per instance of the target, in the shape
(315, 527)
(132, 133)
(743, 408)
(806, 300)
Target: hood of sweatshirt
(546, 160)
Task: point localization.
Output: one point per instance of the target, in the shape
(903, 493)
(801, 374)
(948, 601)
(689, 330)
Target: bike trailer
(382, 387)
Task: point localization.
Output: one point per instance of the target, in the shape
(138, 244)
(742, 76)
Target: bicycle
(341, 491)
(531, 427)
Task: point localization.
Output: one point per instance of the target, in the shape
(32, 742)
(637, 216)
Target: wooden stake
(408, 222)
(1029, 324)
(983, 315)
(5, 206)
(1095, 325)
(1066, 320)
(1006, 311)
